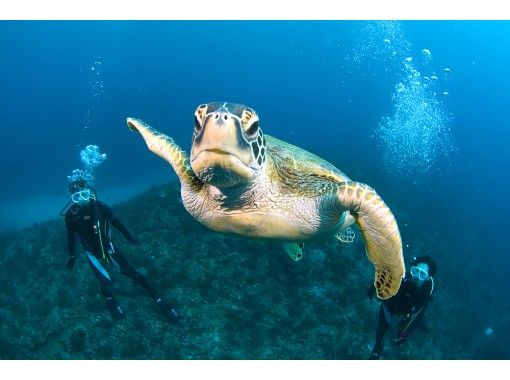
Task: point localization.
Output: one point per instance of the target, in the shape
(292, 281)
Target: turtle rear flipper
(166, 148)
(346, 236)
(380, 233)
(294, 250)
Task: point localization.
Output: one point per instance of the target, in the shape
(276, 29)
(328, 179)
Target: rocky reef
(238, 298)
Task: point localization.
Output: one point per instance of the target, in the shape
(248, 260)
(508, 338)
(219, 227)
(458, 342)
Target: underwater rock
(238, 298)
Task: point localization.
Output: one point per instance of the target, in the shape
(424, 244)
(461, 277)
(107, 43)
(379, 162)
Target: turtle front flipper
(380, 233)
(166, 148)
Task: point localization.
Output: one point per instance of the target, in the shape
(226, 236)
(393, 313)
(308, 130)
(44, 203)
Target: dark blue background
(290, 72)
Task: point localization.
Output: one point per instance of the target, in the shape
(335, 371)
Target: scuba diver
(408, 305)
(90, 220)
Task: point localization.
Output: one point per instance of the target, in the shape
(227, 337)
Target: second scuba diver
(408, 305)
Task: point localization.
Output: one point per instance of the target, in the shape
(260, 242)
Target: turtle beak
(220, 168)
(219, 155)
(222, 135)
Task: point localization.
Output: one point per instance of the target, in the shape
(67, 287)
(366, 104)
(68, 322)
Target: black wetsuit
(91, 223)
(409, 303)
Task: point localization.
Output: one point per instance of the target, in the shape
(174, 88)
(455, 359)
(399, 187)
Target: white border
(247, 370)
(253, 9)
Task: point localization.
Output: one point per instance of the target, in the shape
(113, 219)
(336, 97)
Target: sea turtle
(240, 180)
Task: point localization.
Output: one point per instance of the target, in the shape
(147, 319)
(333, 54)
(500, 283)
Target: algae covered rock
(238, 298)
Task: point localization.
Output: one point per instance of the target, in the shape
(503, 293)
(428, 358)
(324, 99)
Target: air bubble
(96, 82)
(415, 134)
(91, 159)
(380, 44)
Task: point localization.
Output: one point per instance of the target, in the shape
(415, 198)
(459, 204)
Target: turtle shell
(301, 171)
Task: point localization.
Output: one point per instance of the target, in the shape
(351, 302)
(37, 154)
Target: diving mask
(83, 196)
(419, 273)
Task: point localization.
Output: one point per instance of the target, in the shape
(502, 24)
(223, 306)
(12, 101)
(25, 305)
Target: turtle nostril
(216, 116)
(225, 117)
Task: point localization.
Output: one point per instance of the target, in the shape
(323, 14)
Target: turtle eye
(253, 129)
(198, 125)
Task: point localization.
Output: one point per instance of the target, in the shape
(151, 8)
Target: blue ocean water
(416, 109)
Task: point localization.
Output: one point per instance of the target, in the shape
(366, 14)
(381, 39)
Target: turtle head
(228, 146)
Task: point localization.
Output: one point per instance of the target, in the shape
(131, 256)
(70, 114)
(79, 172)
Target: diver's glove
(134, 241)
(70, 262)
